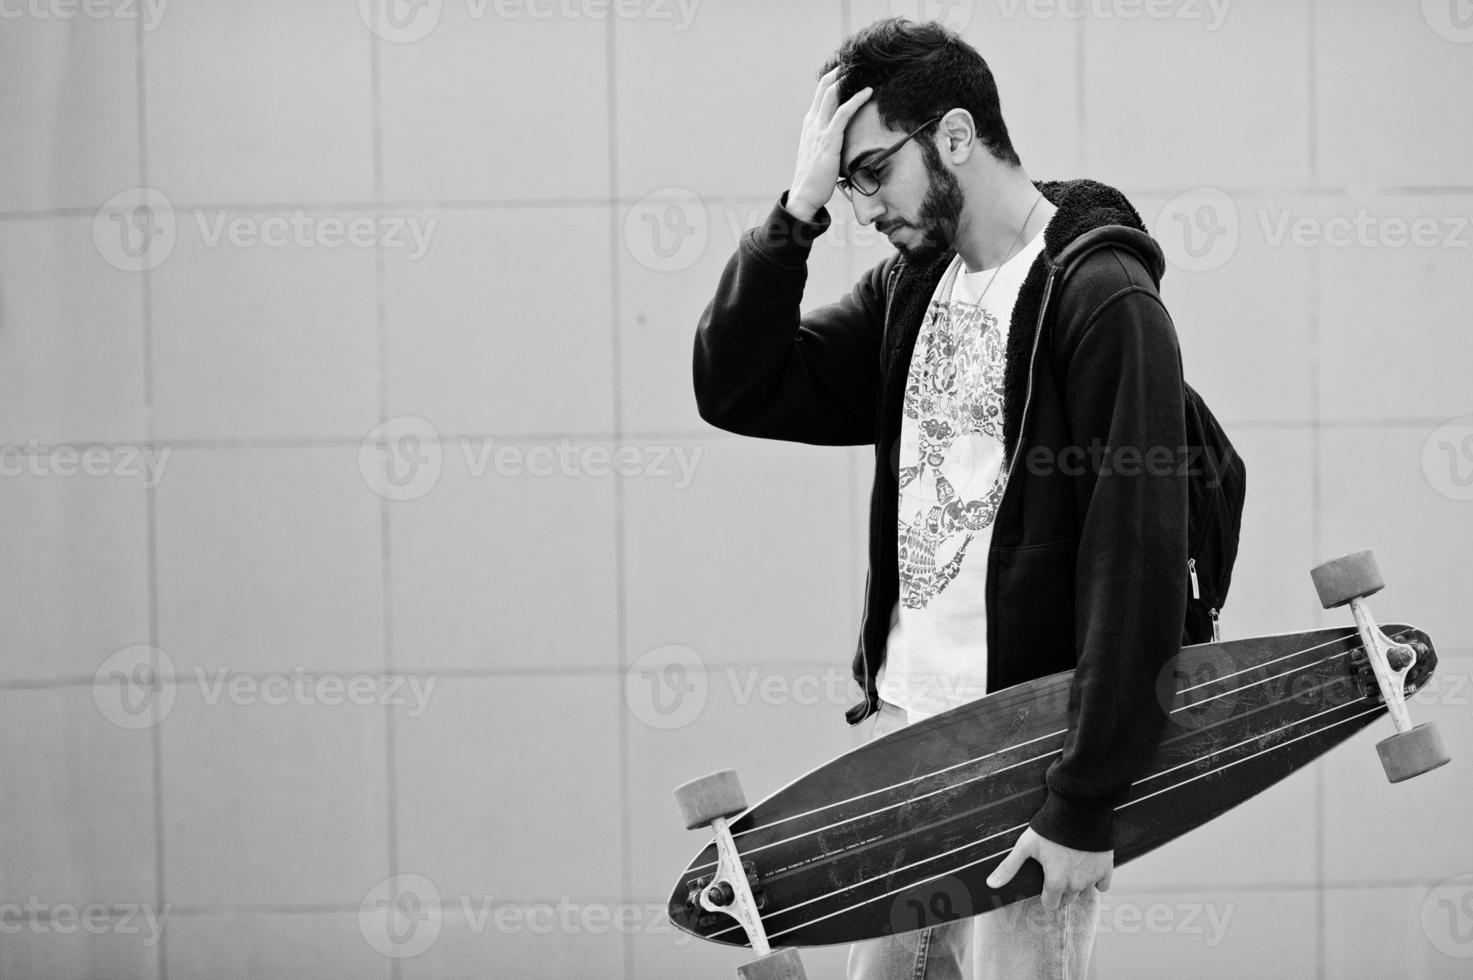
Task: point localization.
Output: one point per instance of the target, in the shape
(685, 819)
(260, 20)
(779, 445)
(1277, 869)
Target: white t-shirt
(951, 482)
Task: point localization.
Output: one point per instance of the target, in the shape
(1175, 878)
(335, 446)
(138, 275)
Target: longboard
(901, 833)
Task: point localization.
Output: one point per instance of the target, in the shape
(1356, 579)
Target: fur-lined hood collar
(1090, 215)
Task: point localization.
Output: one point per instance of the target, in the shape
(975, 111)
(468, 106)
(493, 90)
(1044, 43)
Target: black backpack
(1217, 482)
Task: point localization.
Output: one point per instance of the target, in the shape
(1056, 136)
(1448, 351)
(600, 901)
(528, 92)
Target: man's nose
(867, 209)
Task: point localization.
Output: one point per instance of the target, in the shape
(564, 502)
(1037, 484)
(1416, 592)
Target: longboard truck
(710, 801)
(1413, 750)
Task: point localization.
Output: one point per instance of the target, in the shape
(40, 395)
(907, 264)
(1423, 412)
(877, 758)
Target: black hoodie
(1087, 568)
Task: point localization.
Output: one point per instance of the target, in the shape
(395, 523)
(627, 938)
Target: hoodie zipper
(1197, 594)
(1048, 289)
(870, 518)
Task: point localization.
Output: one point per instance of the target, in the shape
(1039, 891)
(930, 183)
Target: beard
(939, 213)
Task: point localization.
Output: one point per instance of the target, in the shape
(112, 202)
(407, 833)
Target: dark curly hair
(919, 71)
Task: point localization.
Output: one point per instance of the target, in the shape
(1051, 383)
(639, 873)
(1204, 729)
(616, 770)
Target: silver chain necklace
(955, 265)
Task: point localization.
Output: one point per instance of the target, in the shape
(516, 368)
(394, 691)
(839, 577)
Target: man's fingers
(1006, 871)
(828, 105)
(826, 82)
(846, 111)
(1050, 896)
(1103, 884)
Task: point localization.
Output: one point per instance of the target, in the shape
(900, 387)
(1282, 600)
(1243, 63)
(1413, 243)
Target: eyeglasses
(865, 180)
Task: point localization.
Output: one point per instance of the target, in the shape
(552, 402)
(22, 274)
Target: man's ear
(961, 133)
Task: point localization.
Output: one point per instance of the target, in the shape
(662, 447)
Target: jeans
(1022, 941)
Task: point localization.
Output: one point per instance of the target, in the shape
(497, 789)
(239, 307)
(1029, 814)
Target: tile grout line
(621, 618)
(713, 668)
(1080, 95)
(1316, 485)
(1273, 191)
(150, 517)
(386, 573)
(527, 900)
(1374, 886)
(609, 438)
(859, 463)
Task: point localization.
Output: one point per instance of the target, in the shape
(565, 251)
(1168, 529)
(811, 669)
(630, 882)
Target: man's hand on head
(821, 146)
(1066, 872)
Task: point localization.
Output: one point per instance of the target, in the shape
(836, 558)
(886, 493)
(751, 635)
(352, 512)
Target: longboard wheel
(780, 964)
(1413, 752)
(703, 800)
(1352, 576)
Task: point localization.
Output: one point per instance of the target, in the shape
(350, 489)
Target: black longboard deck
(901, 833)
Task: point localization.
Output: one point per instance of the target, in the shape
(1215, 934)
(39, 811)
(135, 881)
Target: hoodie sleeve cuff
(1077, 824)
(785, 239)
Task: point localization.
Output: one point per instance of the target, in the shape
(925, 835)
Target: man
(1007, 363)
